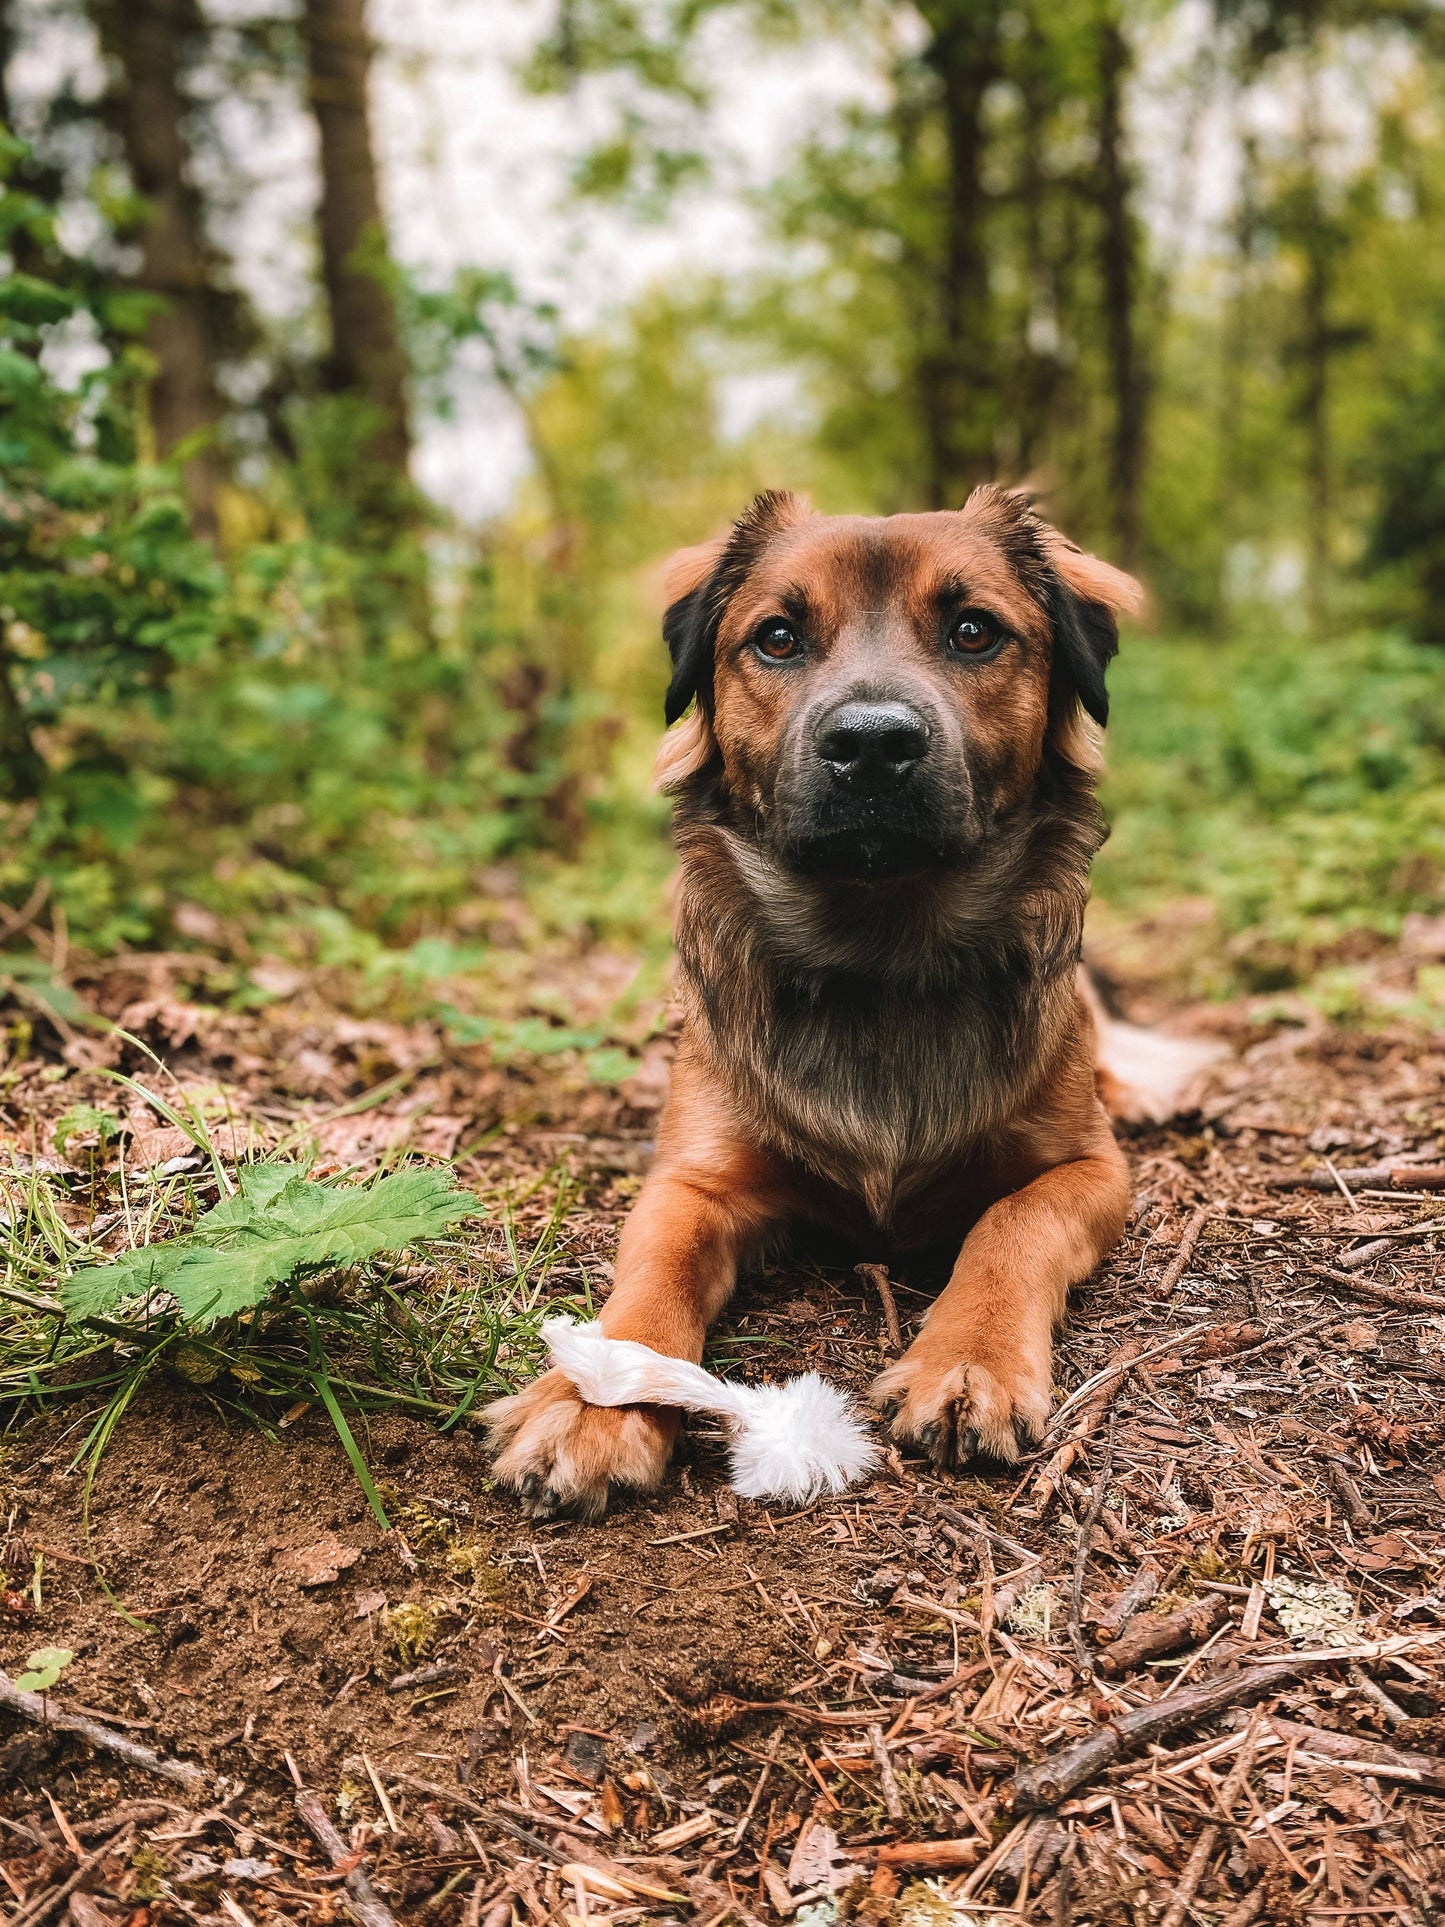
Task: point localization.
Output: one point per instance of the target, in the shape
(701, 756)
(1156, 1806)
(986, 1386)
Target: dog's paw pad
(956, 1413)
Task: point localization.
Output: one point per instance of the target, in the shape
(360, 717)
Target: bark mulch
(1187, 1663)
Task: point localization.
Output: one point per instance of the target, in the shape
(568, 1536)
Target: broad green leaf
(258, 1185)
(96, 1291)
(44, 1668)
(276, 1227)
(308, 1227)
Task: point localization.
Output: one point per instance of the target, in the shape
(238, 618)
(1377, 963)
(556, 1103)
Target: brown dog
(885, 817)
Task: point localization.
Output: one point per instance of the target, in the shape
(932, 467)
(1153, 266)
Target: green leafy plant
(86, 1120)
(277, 1227)
(43, 1669)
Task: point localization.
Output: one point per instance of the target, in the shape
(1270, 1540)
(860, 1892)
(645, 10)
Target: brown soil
(613, 1674)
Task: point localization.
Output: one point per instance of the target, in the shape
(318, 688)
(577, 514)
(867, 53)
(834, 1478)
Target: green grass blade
(351, 1448)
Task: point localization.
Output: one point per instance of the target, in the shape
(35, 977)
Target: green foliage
(276, 1228)
(43, 1669)
(86, 1120)
(1298, 786)
(102, 590)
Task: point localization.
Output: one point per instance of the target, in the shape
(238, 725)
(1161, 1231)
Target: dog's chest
(877, 1089)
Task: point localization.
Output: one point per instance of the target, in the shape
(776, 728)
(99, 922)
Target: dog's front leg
(976, 1382)
(677, 1263)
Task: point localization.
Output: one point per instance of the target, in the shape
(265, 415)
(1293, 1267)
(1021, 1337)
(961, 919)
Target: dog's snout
(872, 744)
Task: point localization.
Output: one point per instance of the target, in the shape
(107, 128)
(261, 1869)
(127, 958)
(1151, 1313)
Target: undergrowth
(265, 1290)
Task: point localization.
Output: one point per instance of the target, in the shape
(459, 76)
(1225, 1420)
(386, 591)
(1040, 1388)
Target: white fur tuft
(798, 1441)
(792, 1441)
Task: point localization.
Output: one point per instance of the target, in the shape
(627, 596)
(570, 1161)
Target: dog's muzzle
(870, 748)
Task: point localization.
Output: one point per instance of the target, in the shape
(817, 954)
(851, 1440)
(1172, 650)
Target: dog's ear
(699, 582)
(1085, 598)
(686, 627)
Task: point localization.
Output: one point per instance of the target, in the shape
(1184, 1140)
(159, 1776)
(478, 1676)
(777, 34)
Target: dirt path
(815, 1715)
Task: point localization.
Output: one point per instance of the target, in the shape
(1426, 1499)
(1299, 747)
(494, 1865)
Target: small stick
(1154, 1637)
(35, 1707)
(1116, 1369)
(1081, 1555)
(1350, 1497)
(1135, 1596)
(1387, 1294)
(1051, 1479)
(1365, 1177)
(46, 1905)
(1250, 1908)
(1427, 1770)
(877, 1276)
(1188, 1239)
(771, 1761)
(1050, 1781)
(366, 1903)
(931, 1854)
(892, 1799)
(1199, 1859)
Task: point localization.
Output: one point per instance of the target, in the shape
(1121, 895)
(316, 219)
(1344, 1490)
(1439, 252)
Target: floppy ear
(699, 582)
(1084, 597)
(686, 627)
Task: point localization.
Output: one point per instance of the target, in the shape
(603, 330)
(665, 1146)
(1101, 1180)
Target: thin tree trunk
(1236, 342)
(1317, 346)
(146, 39)
(960, 376)
(7, 54)
(366, 352)
(1118, 262)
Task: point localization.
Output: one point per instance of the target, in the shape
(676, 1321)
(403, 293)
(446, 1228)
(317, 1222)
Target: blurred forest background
(332, 502)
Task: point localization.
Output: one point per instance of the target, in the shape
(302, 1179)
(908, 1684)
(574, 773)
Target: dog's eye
(974, 633)
(776, 640)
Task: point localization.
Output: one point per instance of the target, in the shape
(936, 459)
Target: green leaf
(43, 1668)
(308, 1227)
(96, 1291)
(84, 1120)
(277, 1227)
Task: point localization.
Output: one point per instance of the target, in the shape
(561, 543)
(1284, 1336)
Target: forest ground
(702, 1708)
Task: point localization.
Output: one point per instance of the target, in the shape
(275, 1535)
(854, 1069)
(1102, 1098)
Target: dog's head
(873, 695)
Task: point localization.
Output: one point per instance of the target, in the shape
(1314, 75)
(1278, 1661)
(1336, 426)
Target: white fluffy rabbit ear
(793, 1441)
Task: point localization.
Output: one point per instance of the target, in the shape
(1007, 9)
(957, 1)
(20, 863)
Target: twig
(1081, 1554)
(771, 1761)
(1188, 1239)
(1350, 1497)
(1387, 1294)
(35, 1707)
(1365, 1177)
(1050, 1781)
(892, 1799)
(1199, 1859)
(1154, 1637)
(1115, 1370)
(877, 1276)
(42, 1908)
(1051, 1479)
(1135, 1596)
(524, 1837)
(1425, 1770)
(366, 1903)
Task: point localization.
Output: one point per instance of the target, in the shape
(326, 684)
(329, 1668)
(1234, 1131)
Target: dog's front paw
(561, 1455)
(956, 1409)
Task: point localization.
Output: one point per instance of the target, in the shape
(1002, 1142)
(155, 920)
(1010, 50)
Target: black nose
(870, 745)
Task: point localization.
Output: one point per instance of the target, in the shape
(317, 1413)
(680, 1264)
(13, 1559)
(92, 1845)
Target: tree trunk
(366, 352)
(146, 39)
(1317, 345)
(959, 372)
(1118, 263)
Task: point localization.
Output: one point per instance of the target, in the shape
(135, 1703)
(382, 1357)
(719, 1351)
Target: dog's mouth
(866, 853)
